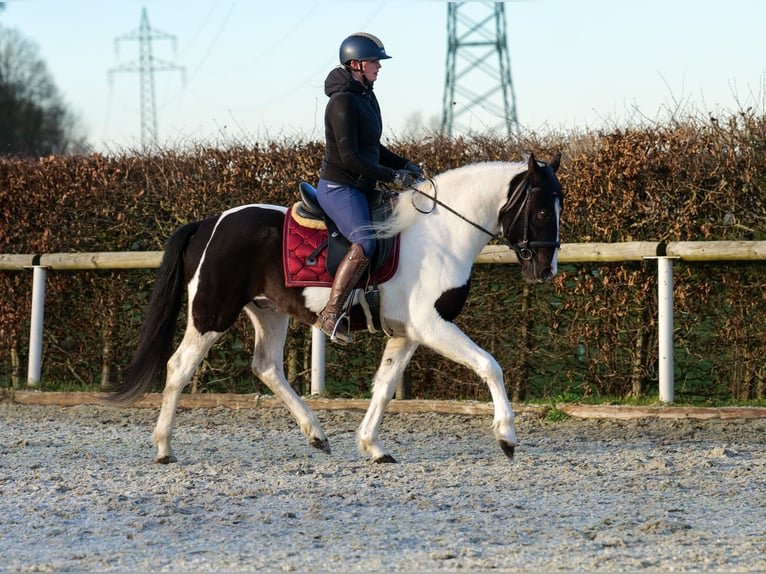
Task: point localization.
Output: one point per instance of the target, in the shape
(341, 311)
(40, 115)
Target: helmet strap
(360, 70)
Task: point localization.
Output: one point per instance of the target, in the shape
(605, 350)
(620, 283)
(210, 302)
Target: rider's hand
(403, 177)
(414, 168)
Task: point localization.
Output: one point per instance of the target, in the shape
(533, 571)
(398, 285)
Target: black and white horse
(234, 261)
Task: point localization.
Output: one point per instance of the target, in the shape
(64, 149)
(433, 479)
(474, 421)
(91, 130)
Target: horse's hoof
(507, 447)
(385, 459)
(322, 444)
(165, 459)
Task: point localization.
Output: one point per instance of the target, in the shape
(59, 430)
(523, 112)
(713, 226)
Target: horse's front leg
(396, 355)
(448, 340)
(503, 423)
(181, 367)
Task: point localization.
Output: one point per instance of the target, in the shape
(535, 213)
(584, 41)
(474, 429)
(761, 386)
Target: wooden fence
(664, 253)
(569, 253)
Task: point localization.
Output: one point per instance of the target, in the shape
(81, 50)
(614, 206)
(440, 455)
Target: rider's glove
(414, 168)
(403, 177)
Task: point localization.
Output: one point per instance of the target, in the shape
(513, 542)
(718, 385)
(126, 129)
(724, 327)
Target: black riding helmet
(362, 46)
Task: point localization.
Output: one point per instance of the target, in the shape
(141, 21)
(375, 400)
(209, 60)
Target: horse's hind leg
(396, 355)
(268, 365)
(181, 367)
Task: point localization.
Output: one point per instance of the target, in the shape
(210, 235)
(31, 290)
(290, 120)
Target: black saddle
(381, 206)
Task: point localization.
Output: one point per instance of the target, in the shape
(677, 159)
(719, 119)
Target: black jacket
(353, 128)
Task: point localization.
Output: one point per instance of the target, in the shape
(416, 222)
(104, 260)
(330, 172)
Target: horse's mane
(403, 216)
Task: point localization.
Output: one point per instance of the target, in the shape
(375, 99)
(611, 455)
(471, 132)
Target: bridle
(524, 248)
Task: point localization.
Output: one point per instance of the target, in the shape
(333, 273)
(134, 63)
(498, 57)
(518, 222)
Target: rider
(354, 161)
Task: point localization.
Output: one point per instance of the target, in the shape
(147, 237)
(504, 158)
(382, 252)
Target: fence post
(665, 326)
(318, 352)
(665, 304)
(36, 325)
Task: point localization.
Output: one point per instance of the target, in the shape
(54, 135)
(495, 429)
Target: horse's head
(529, 220)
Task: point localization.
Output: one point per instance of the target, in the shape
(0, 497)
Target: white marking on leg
(448, 340)
(181, 367)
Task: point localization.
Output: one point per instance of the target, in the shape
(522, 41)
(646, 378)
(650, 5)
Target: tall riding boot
(348, 274)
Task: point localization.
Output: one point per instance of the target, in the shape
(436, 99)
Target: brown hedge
(590, 332)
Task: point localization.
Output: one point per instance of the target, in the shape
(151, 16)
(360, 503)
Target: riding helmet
(362, 46)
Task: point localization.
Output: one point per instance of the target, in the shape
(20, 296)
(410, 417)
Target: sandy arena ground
(80, 492)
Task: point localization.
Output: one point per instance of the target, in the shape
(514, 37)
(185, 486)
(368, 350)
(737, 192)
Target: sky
(254, 70)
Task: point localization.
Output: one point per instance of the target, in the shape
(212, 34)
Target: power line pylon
(481, 86)
(146, 66)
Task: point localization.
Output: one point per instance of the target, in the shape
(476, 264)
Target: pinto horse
(234, 261)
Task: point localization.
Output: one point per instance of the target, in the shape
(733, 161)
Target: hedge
(590, 332)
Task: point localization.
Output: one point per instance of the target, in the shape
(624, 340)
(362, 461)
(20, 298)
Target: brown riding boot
(348, 274)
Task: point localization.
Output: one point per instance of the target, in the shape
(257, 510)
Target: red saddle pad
(300, 241)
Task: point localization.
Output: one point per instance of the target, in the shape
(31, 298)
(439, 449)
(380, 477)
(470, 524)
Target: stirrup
(337, 319)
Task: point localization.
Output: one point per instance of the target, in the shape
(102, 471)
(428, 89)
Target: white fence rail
(664, 253)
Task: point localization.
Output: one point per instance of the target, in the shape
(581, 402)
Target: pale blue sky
(255, 70)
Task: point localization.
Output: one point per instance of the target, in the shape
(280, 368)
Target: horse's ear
(532, 163)
(555, 162)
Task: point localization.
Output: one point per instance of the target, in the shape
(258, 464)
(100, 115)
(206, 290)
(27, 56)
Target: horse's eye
(544, 214)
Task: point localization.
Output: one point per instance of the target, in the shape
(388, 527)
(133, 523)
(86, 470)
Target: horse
(233, 261)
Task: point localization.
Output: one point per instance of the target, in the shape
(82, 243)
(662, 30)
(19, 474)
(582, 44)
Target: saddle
(313, 246)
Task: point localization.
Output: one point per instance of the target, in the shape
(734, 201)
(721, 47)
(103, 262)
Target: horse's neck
(478, 191)
(475, 193)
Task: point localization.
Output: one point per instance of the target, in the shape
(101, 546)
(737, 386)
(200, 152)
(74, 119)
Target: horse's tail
(156, 334)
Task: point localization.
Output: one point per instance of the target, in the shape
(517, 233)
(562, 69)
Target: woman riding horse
(354, 161)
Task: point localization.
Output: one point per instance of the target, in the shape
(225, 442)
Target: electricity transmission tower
(146, 65)
(478, 79)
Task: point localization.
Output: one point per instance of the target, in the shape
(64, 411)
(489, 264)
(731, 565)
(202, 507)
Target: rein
(523, 248)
